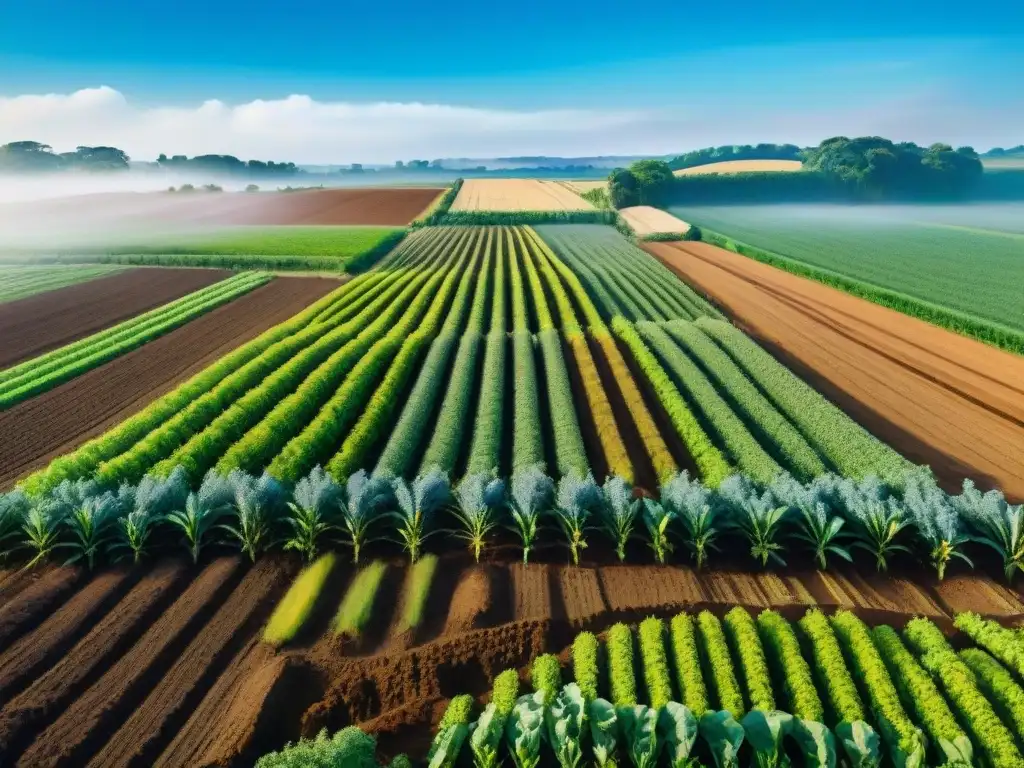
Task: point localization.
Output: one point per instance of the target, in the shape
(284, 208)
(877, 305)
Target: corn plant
(14, 507)
(478, 500)
(657, 519)
(877, 520)
(936, 520)
(313, 512)
(758, 518)
(820, 531)
(41, 529)
(996, 524)
(532, 495)
(257, 503)
(618, 513)
(416, 505)
(91, 526)
(361, 503)
(578, 499)
(201, 511)
(147, 505)
(696, 508)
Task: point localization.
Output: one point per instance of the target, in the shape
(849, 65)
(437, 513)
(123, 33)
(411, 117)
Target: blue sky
(650, 77)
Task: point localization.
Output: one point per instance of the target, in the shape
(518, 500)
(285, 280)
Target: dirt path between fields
(936, 397)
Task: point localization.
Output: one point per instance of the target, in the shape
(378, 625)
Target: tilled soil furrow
(59, 420)
(154, 723)
(71, 676)
(34, 651)
(83, 727)
(34, 601)
(41, 323)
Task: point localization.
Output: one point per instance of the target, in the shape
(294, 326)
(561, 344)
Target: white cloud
(304, 130)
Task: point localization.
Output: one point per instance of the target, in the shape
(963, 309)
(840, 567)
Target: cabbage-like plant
(485, 737)
(364, 500)
(677, 731)
(478, 501)
(14, 507)
(564, 720)
(578, 499)
(416, 506)
(524, 730)
(444, 750)
(765, 732)
(657, 519)
(724, 737)
(147, 505)
(201, 511)
(313, 512)
(618, 513)
(816, 742)
(258, 502)
(821, 531)
(639, 728)
(936, 520)
(860, 743)
(604, 727)
(695, 507)
(532, 495)
(759, 518)
(995, 523)
(90, 527)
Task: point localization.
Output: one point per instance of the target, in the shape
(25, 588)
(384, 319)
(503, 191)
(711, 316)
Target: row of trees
(227, 165)
(34, 156)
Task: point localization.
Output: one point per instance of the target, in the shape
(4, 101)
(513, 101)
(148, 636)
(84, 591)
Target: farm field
(940, 254)
(517, 195)
(937, 398)
(19, 282)
(646, 220)
(36, 324)
(59, 420)
(741, 166)
(164, 665)
(585, 186)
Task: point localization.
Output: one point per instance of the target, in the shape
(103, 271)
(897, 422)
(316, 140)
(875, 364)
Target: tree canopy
(34, 156)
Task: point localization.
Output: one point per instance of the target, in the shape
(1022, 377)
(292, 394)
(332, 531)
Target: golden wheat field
(517, 195)
(742, 166)
(646, 220)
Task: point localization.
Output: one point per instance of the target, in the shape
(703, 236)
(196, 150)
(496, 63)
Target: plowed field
(936, 397)
(164, 666)
(56, 421)
(40, 323)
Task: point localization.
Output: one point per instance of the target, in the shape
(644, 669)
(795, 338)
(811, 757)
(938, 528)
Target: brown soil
(59, 420)
(577, 594)
(936, 397)
(36, 600)
(41, 323)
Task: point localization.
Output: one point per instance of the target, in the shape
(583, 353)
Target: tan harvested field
(517, 195)
(162, 664)
(742, 166)
(938, 398)
(646, 220)
(584, 186)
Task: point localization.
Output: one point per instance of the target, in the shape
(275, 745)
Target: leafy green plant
(758, 518)
(686, 655)
(638, 725)
(724, 737)
(1004, 644)
(577, 500)
(148, 504)
(999, 687)
(90, 525)
(363, 501)
(258, 502)
(657, 519)
(565, 719)
(478, 501)
(421, 576)
(696, 508)
(655, 662)
(524, 729)
(291, 613)
(782, 649)
(722, 676)
(41, 529)
(546, 677)
(357, 605)
(618, 513)
(996, 524)
(532, 495)
(584, 662)
(765, 730)
(349, 747)
(816, 742)
(622, 678)
(14, 507)
(935, 519)
(485, 737)
(451, 733)
(677, 732)
(314, 509)
(741, 632)
(202, 509)
(604, 729)
(821, 531)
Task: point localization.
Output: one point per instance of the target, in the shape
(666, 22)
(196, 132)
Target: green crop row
(546, 677)
(999, 687)
(54, 368)
(527, 437)
(799, 458)
(741, 631)
(1005, 644)
(439, 208)
(293, 610)
(570, 453)
(724, 690)
(686, 655)
(621, 672)
(585, 664)
(656, 671)
(417, 590)
(485, 447)
(833, 675)
(847, 445)
(19, 282)
(357, 606)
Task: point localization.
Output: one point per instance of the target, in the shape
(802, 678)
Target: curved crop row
(85, 460)
(725, 690)
(833, 675)
(999, 687)
(652, 652)
(621, 673)
(847, 445)
(1005, 644)
(902, 737)
(800, 459)
(741, 631)
(731, 432)
(686, 657)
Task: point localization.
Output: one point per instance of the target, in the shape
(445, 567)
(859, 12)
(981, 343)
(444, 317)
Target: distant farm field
(966, 258)
(646, 220)
(517, 195)
(741, 166)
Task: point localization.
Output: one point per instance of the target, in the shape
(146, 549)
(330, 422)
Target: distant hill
(998, 153)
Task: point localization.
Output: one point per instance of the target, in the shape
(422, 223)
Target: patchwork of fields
(965, 258)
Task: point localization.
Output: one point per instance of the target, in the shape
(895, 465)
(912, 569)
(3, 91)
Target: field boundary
(993, 334)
